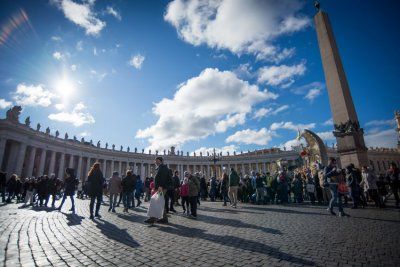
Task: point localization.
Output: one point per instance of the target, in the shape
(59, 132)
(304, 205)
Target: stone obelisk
(349, 135)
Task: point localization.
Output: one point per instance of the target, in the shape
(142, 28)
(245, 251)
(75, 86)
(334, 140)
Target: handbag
(156, 208)
(343, 188)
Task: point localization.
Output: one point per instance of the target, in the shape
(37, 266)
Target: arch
(316, 147)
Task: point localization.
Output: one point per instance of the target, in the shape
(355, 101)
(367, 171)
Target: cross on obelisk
(349, 135)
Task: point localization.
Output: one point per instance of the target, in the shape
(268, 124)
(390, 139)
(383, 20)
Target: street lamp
(214, 158)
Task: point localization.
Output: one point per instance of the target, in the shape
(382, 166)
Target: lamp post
(214, 159)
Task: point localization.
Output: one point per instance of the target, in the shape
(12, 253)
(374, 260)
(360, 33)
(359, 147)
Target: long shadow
(73, 218)
(132, 217)
(228, 210)
(113, 232)
(236, 224)
(233, 241)
(280, 210)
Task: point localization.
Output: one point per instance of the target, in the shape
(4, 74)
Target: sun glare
(65, 87)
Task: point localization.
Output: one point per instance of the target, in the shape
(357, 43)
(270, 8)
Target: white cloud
(78, 116)
(328, 122)
(384, 138)
(79, 45)
(56, 38)
(137, 61)
(312, 94)
(291, 126)
(391, 122)
(192, 114)
(265, 112)
(82, 15)
(31, 95)
(282, 75)
(5, 104)
(73, 67)
(59, 106)
(240, 26)
(261, 137)
(57, 55)
(292, 143)
(110, 10)
(85, 134)
(210, 150)
(326, 136)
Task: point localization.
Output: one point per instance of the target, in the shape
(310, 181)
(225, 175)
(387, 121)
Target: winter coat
(194, 186)
(95, 183)
(163, 177)
(184, 190)
(69, 185)
(128, 184)
(114, 186)
(234, 178)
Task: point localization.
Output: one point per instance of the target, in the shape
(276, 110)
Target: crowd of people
(327, 185)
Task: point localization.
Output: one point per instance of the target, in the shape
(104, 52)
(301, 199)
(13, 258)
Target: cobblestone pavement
(250, 235)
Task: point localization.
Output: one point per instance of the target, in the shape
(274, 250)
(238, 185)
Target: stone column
(208, 170)
(61, 170)
(243, 170)
(264, 167)
(20, 159)
(142, 171)
(112, 167)
(88, 165)
(3, 142)
(31, 162)
(52, 162)
(71, 161)
(42, 162)
(79, 171)
(104, 167)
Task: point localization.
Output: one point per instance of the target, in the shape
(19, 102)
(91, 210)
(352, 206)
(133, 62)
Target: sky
(197, 75)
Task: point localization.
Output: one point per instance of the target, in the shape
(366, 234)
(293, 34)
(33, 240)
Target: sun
(65, 87)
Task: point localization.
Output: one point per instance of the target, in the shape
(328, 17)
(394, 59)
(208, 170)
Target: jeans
(63, 200)
(98, 198)
(127, 199)
(113, 200)
(185, 203)
(193, 205)
(53, 199)
(225, 196)
(335, 197)
(233, 194)
(169, 199)
(259, 194)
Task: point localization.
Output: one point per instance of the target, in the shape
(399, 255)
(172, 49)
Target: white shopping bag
(156, 208)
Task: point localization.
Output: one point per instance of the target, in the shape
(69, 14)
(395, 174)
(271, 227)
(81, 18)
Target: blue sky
(234, 75)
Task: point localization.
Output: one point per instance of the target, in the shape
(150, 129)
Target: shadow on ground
(233, 241)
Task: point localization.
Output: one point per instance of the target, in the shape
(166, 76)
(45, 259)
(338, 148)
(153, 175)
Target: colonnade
(36, 159)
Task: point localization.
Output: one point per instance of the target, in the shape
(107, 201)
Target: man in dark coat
(128, 186)
(161, 183)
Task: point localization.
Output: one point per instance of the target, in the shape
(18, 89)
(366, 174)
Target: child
(184, 192)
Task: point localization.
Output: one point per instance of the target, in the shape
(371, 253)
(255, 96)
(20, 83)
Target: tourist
(184, 193)
(271, 183)
(351, 180)
(259, 189)
(29, 187)
(42, 189)
(213, 188)
(95, 189)
(80, 190)
(177, 184)
(224, 188)
(382, 191)
(114, 188)
(70, 183)
(297, 187)
(161, 183)
(3, 186)
(369, 185)
(394, 180)
(194, 189)
(128, 186)
(12, 187)
(331, 176)
(170, 194)
(52, 189)
(203, 187)
(233, 187)
(282, 188)
(138, 190)
(147, 189)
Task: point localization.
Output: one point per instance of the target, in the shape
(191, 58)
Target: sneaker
(91, 217)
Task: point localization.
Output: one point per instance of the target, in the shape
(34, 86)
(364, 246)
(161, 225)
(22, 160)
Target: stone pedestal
(349, 135)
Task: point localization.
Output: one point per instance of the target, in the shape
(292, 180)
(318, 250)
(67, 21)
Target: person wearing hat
(114, 188)
(69, 188)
